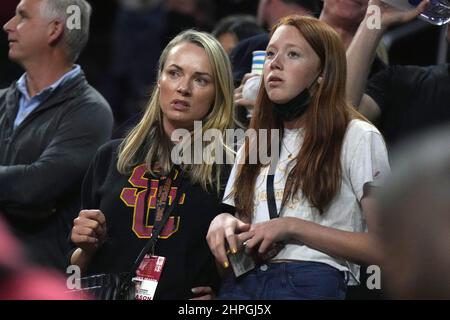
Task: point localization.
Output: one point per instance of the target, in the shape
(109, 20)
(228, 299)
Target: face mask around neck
(297, 106)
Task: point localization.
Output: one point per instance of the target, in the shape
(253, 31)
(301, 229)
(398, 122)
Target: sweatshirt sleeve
(41, 184)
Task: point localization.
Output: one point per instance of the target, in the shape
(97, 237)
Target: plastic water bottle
(437, 11)
(251, 86)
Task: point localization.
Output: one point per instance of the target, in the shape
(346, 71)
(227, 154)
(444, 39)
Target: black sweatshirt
(189, 262)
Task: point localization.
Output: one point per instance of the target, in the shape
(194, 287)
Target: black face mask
(294, 108)
(297, 106)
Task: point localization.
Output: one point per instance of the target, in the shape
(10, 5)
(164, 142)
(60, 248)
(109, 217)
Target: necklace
(292, 134)
(285, 147)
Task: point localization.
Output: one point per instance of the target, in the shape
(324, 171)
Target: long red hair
(317, 171)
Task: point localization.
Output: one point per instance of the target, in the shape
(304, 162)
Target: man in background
(51, 124)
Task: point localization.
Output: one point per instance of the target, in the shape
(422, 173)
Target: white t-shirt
(364, 160)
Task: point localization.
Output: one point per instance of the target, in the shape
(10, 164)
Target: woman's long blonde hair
(148, 143)
(317, 171)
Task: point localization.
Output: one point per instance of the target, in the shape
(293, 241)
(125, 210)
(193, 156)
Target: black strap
(159, 224)
(272, 206)
(271, 202)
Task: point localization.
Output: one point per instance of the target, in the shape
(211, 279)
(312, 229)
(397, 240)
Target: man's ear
(55, 32)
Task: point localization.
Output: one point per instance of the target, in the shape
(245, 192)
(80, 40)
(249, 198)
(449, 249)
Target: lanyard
(162, 212)
(271, 203)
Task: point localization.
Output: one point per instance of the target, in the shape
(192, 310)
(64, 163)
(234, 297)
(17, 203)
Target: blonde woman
(123, 185)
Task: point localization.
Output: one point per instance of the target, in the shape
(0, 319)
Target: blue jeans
(286, 281)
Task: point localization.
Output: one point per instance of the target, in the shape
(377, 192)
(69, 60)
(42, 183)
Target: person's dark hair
(314, 6)
(241, 26)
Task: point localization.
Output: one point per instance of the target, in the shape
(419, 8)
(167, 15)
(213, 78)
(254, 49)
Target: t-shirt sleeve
(378, 87)
(369, 162)
(228, 197)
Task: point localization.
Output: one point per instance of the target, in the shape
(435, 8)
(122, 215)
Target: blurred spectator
(226, 8)
(270, 11)
(344, 16)
(20, 280)
(186, 14)
(136, 44)
(402, 99)
(414, 219)
(232, 29)
(51, 124)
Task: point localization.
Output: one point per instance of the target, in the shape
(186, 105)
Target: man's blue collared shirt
(27, 104)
